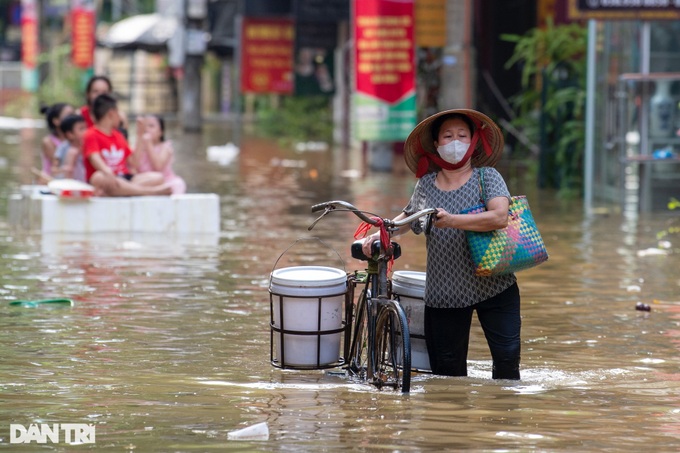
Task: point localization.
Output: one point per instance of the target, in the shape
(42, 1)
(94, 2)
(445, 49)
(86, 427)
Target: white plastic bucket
(410, 287)
(307, 315)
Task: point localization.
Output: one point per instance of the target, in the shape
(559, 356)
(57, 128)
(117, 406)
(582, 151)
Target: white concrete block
(197, 212)
(93, 215)
(33, 189)
(153, 214)
(186, 214)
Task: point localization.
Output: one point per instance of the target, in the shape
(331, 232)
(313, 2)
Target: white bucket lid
(413, 278)
(409, 283)
(309, 276)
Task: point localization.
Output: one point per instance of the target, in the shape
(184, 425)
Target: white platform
(33, 210)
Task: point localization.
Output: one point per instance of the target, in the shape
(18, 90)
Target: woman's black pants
(447, 334)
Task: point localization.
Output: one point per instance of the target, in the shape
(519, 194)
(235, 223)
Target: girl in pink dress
(155, 153)
(53, 115)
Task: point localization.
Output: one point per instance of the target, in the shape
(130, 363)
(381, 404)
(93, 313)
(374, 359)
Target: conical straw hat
(420, 140)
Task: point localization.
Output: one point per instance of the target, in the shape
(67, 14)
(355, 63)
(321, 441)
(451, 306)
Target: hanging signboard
(314, 66)
(624, 9)
(29, 45)
(267, 56)
(384, 55)
(316, 37)
(321, 11)
(82, 33)
(430, 23)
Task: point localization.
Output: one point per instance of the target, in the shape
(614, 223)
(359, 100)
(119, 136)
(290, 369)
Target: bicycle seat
(358, 254)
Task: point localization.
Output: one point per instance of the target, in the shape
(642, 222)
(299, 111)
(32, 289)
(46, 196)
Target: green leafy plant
(63, 83)
(551, 106)
(298, 118)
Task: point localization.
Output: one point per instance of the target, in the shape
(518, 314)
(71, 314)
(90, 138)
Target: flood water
(167, 347)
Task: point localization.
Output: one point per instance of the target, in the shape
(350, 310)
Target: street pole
(457, 57)
(591, 86)
(195, 46)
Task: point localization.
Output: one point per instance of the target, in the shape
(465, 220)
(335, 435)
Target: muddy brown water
(167, 347)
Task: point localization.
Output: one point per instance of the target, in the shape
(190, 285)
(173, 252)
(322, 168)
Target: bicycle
(380, 347)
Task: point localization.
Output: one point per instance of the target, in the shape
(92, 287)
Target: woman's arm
(494, 218)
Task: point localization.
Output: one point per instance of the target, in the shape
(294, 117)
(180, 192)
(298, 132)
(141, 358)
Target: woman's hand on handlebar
(442, 219)
(368, 240)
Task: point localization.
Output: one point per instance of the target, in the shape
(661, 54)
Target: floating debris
(287, 163)
(36, 303)
(352, 174)
(259, 431)
(642, 307)
(652, 252)
(302, 147)
(223, 155)
(665, 244)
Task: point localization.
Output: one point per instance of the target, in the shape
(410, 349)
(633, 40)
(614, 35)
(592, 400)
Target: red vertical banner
(267, 56)
(384, 47)
(29, 34)
(385, 76)
(82, 33)
(30, 45)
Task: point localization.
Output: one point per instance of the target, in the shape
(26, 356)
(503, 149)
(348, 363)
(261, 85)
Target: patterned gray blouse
(451, 281)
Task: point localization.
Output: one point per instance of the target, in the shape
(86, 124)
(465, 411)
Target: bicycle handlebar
(332, 205)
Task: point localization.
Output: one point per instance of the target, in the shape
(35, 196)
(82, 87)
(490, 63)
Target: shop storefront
(634, 153)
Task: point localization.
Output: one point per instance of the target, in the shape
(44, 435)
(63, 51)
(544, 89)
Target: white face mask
(454, 151)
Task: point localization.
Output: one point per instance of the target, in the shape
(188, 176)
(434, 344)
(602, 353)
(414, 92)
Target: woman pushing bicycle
(446, 152)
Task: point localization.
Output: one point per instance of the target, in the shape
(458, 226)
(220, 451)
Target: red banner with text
(385, 77)
(267, 56)
(29, 34)
(384, 48)
(82, 36)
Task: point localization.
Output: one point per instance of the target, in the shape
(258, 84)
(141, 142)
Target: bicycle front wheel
(393, 348)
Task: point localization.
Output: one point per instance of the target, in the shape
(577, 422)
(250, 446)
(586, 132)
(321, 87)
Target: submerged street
(167, 347)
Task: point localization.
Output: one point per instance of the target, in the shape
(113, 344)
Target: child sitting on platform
(155, 153)
(69, 153)
(53, 115)
(106, 153)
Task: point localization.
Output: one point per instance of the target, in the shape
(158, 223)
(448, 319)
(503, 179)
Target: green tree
(551, 106)
(63, 83)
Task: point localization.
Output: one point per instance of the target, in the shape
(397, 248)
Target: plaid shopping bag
(514, 248)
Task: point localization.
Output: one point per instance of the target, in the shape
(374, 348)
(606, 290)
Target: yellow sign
(430, 23)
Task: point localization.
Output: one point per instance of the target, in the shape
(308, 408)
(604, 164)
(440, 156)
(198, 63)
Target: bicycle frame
(387, 344)
(378, 282)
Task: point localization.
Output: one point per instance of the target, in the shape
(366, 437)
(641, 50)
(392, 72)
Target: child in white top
(69, 154)
(53, 116)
